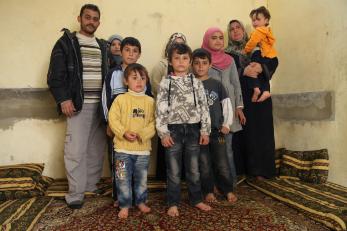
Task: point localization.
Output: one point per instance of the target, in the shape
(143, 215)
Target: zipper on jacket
(77, 64)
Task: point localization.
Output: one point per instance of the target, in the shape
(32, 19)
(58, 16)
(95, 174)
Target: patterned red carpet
(253, 211)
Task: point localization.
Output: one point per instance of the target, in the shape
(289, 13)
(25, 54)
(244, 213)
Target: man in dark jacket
(76, 72)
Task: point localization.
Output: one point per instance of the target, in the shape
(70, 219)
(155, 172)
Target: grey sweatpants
(85, 144)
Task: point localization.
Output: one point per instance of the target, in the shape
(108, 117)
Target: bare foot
(203, 207)
(173, 211)
(216, 191)
(260, 178)
(231, 197)
(210, 197)
(256, 93)
(116, 204)
(144, 208)
(264, 96)
(123, 213)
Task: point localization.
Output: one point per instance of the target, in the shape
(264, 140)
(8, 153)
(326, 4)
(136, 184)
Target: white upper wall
(312, 51)
(30, 29)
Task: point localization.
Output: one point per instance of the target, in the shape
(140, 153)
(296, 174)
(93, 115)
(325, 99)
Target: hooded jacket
(64, 77)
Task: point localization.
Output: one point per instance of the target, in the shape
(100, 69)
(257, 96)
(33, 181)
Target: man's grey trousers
(85, 144)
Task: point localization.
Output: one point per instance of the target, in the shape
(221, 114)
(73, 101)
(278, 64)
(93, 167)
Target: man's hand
(167, 141)
(130, 136)
(204, 140)
(241, 116)
(68, 108)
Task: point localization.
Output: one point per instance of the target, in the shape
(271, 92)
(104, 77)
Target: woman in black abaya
(254, 146)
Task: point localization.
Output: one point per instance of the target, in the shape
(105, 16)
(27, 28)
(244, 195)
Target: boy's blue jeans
(130, 167)
(186, 148)
(214, 165)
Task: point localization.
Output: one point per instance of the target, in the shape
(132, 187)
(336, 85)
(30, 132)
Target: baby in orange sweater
(261, 43)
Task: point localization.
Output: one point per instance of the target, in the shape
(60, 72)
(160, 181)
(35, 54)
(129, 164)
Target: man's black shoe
(75, 204)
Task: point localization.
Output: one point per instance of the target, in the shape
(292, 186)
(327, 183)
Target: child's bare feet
(202, 206)
(123, 213)
(216, 191)
(210, 197)
(173, 211)
(231, 197)
(264, 96)
(144, 208)
(260, 178)
(256, 93)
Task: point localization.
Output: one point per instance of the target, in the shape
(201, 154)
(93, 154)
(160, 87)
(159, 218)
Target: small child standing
(183, 124)
(113, 86)
(131, 119)
(262, 36)
(214, 168)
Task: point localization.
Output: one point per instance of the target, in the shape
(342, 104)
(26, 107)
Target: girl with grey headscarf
(114, 54)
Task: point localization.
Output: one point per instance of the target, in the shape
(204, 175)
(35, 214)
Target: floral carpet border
(22, 214)
(325, 203)
(253, 211)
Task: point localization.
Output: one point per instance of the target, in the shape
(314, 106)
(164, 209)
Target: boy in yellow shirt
(131, 119)
(267, 55)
